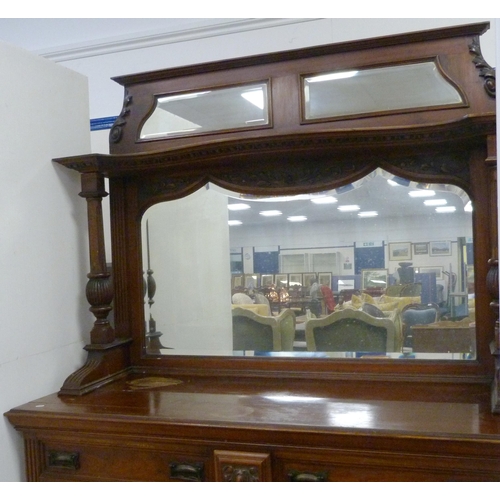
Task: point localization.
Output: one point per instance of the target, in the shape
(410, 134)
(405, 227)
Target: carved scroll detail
(485, 70)
(115, 134)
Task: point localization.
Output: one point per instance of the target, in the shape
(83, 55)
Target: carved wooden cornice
(310, 145)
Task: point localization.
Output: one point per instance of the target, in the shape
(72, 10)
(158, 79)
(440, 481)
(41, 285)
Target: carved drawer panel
(236, 466)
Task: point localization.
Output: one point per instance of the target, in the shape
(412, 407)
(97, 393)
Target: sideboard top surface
(331, 407)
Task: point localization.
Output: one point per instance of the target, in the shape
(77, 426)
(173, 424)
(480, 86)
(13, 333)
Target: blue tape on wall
(102, 123)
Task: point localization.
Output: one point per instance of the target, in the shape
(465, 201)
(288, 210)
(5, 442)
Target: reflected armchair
(417, 314)
(350, 330)
(253, 332)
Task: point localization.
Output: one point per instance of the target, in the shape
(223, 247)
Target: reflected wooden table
(445, 336)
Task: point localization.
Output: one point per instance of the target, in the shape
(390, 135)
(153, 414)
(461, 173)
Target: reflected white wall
(193, 296)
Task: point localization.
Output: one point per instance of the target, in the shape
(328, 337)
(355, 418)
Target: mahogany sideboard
(208, 429)
(139, 412)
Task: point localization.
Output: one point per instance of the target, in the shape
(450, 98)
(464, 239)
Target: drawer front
(356, 466)
(113, 462)
(242, 466)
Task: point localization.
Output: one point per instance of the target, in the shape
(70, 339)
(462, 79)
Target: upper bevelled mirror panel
(377, 90)
(238, 107)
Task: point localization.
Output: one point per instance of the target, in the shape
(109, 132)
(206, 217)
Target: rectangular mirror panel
(239, 107)
(384, 89)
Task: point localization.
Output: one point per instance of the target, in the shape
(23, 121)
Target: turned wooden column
(492, 276)
(99, 290)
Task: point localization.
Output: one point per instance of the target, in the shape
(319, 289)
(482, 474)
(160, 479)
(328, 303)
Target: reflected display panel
(381, 268)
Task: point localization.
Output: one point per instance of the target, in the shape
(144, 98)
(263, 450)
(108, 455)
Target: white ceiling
(373, 194)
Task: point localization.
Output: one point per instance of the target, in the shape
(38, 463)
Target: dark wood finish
(190, 431)
(215, 418)
(242, 467)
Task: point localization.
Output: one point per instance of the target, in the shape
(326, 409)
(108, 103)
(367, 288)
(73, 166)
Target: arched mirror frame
(289, 157)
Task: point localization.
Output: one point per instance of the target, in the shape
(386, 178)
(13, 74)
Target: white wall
(43, 253)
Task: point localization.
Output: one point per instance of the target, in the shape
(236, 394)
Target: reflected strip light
(368, 214)
(234, 222)
(445, 210)
(270, 213)
(179, 97)
(296, 218)
(435, 203)
(238, 206)
(323, 200)
(340, 75)
(348, 208)
(422, 193)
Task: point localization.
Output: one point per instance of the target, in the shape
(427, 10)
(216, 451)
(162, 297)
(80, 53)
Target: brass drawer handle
(186, 472)
(297, 476)
(66, 459)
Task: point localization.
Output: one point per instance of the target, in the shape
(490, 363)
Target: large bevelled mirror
(382, 267)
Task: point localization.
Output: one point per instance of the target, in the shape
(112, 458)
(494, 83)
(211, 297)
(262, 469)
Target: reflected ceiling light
(422, 193)
(181, 96)
(296, 218)
(468, 207)
(270, 213)
(435, 203)
(348, 208)
(445, 210)
(340, 75)
(234, 222)
(398, 181)
(323, 200)
(256, 97)
(368, 214)
(238, 206)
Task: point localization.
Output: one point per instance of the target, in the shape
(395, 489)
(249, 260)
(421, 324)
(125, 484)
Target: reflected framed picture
(308, 279)
(251, 280)
(400, 251)
(420, 248)
(267, 280)
(439, 248)
(325, 279)
(374, 278)
(237, 281)
(281, 280)
(295, 279)
(437, 270)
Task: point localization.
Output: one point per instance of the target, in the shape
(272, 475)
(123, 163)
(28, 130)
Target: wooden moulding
(105, 363)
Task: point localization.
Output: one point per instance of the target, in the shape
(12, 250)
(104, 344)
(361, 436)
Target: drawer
(123, 463)
(372, 467)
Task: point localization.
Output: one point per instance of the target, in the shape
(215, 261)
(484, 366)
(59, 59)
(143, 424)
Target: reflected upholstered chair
(253, 332)
(417, 314)
(350, 330)
(241, 298)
